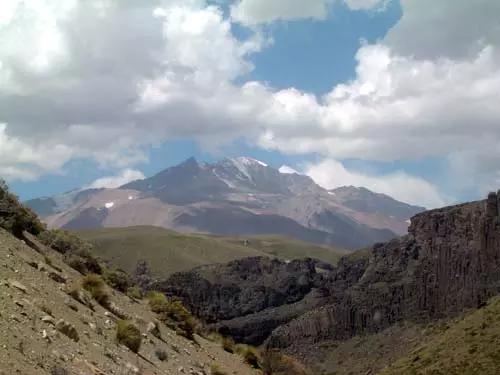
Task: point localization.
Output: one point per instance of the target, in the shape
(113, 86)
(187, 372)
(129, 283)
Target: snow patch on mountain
(285, 169)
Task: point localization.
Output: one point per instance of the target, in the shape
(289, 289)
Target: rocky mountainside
(234, 197)
(449, 261)
(49, 327)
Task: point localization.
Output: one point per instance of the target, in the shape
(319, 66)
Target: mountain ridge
(251, 196)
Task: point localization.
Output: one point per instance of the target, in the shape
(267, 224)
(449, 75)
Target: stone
(18, 285)
(154, 329)
(67, 329)
(48, 319)
(58, 278)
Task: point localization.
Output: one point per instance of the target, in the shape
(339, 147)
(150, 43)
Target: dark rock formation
(449, 261)
(250, 297)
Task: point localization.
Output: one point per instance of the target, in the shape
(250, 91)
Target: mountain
(236, 197)
(447, 264)
(46, 206)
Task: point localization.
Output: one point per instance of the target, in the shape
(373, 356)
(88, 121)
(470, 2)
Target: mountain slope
(168, 252)
(46, 331)
(238, 196)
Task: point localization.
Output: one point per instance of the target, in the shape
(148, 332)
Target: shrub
(97, 288)
(161, 354)
(134, 292)
(16, 217)
(129, 335)
(174, 314)
(216, 370)
(251, 356)
(77, 253)
(228, 344)
(118, 279)
(273, 362)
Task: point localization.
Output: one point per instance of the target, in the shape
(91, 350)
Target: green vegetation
(129, 335)
(16, 218)
(134, 292)
(77, 253)
(216, 370)
(167, 251)
(97, 288)
(118, 279)
(173, 314)
(274, 363)
(462, 346)
(289, 248)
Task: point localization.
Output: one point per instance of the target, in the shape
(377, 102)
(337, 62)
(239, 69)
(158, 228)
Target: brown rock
(18, 285)
(58, 278)
(67, 329)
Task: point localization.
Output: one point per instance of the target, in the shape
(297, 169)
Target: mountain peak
(246, 161)
(189, 162)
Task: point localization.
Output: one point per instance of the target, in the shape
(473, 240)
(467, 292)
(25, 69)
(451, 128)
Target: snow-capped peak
(245, 160)
(285, 169)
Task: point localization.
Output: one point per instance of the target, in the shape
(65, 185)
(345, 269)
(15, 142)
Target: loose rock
(67, 329)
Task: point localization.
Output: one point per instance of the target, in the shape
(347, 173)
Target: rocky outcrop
(248, 298)
(449, 261)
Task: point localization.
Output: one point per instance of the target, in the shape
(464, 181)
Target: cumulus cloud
(254, 12)
(112, 182)
(105, 80)
(331, 174)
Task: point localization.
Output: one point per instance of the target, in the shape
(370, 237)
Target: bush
(251, 356)
(97, 288)
(161, 354)
(228, 344)
(77, 253)
(16, 217)
(134, 292)
(118, 279)
(216, 370)
(129, 335)
(173, 314)
(273, 363)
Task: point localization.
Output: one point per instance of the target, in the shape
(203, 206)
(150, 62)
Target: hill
(234, 197)
(45, 330)
(462, 345)
(167, 251)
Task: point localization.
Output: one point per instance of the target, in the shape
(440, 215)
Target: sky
(399, 96)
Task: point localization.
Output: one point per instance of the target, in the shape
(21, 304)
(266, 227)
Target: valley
(422, 303)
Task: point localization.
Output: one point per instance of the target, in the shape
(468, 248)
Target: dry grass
(97, 288)
(129, 335)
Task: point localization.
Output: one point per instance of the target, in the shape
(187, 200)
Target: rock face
(250, 297)
(449, 261)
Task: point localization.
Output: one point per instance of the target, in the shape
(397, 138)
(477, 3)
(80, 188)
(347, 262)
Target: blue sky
(361, 111)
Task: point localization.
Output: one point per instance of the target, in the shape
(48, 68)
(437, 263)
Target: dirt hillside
(43, 330)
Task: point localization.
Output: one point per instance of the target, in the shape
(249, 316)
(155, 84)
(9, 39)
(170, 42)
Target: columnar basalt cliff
(248, 298)
(449, 261)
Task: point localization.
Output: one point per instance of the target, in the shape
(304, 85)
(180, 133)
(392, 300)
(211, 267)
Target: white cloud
(112, 182)
(254, 12)
(331, 174)
(82, 80)
(453, 28)
(251, 12)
